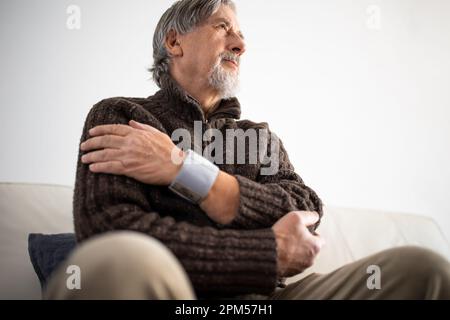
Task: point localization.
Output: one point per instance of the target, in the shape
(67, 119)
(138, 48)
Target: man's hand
(138, 151)
(297, 247)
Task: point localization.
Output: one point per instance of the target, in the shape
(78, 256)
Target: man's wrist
(195, 178)
(178, 157)
(222, 202)
(282, 255)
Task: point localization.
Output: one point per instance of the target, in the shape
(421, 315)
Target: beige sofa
(350, 233)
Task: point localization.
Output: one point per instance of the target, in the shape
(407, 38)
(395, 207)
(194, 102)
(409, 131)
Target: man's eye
(223, 26)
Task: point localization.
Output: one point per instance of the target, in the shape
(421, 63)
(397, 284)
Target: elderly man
(156, 220)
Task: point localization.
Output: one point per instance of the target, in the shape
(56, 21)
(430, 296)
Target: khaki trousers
(129, 265)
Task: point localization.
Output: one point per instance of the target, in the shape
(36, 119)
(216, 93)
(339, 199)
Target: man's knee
(123, 265)
(418, 261)
(420, 269)
(126, 252)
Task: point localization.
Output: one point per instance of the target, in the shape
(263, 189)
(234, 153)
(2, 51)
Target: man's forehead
(227, 16)
(224, 18)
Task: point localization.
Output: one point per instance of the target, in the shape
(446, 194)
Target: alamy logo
(73, 281)
(74, 17)
(374, 280)
(239, 147)
(373, 21)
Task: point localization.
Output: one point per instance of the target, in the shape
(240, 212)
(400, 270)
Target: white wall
(362, 104)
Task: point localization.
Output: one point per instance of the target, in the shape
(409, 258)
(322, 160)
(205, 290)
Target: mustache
(231, 57)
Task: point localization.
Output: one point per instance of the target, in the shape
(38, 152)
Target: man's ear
(173, 45)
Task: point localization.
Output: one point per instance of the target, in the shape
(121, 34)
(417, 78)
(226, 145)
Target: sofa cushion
(48, 251)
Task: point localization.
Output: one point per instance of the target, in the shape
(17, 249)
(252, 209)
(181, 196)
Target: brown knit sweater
(238, 258)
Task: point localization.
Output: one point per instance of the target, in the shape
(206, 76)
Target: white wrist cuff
(195, 179)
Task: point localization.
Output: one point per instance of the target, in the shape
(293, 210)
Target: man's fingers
(113, 129)
(104, 155)
(110, 167)
(102, 142)
(319, 239)
(142, 126)
(309, 218)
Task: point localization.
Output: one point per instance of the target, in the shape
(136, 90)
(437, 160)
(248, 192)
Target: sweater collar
(189, 108)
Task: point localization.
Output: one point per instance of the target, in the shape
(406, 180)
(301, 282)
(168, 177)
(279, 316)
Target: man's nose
(237, 45)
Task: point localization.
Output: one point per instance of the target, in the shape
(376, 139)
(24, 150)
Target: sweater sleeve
(217, 261)
(270, 197)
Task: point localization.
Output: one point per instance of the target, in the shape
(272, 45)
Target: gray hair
(183, 16)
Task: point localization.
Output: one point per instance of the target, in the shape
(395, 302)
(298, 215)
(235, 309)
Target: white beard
(224, 81)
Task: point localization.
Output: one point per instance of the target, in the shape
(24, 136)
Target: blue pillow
(48, 251)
